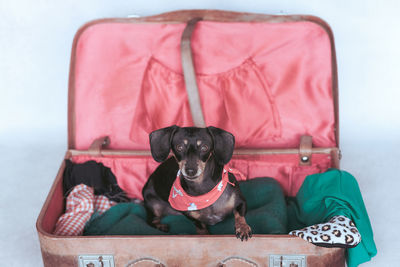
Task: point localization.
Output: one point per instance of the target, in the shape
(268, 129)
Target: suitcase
(127, 78)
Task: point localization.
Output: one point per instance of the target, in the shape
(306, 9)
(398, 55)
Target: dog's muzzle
(190, 171)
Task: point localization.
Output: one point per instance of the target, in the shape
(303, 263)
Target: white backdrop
(35, 44)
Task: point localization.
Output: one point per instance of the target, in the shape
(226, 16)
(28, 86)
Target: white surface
(35, 43)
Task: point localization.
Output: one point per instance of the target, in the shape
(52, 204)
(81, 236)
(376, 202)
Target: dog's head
(192, 147)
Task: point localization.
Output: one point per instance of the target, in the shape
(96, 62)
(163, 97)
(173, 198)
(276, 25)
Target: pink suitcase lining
(267, 91)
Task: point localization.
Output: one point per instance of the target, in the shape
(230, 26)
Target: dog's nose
(190, 171)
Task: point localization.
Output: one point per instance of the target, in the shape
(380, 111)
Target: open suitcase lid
(267, 79)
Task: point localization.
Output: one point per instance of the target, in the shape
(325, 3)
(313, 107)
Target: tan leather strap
(336, 156)
(189, 74)
(305, 151)
(97, 145)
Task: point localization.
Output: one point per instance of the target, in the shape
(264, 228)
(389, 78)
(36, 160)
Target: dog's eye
(204, 148)
(179, 147)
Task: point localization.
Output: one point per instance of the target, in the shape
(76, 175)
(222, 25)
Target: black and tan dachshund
(199, 156)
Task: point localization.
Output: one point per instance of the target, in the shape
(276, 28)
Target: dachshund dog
(194, 181)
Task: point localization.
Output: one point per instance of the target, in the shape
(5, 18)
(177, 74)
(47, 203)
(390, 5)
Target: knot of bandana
(182, 201)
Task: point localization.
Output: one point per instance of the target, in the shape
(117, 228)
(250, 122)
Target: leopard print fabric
(339, 231)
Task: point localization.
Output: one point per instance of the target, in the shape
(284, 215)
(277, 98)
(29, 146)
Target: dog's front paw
(162, 227)
(243, 231)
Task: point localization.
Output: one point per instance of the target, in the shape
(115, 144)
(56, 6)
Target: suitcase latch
(287, 261)
(96, 261)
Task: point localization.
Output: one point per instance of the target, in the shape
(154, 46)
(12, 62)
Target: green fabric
(118, 221)
(266, 215)
(266, 209)
(321, 197)
(325, 195)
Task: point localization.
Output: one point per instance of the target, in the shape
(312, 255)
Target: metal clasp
(287, 261)
(96, 261)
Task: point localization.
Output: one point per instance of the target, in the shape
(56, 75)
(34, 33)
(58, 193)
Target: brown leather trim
(212, 15)
(335, 83)
(52, 260)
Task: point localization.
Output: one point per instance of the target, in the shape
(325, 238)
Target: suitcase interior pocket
(237, 100)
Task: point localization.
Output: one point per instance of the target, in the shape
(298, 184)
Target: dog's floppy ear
(224, 143)
(160, 142)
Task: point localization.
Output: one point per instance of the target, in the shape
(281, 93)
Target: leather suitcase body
(117, 67)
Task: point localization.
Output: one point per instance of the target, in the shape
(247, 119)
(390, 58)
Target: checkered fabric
(80, 205)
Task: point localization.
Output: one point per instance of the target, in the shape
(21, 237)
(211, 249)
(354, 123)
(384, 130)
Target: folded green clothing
(323, 196)
(266, 214)
(266, 209)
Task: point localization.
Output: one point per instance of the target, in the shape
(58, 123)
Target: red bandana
(180, 200)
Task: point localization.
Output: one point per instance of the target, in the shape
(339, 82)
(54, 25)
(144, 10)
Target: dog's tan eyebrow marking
(199, 142)
(185, 141)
